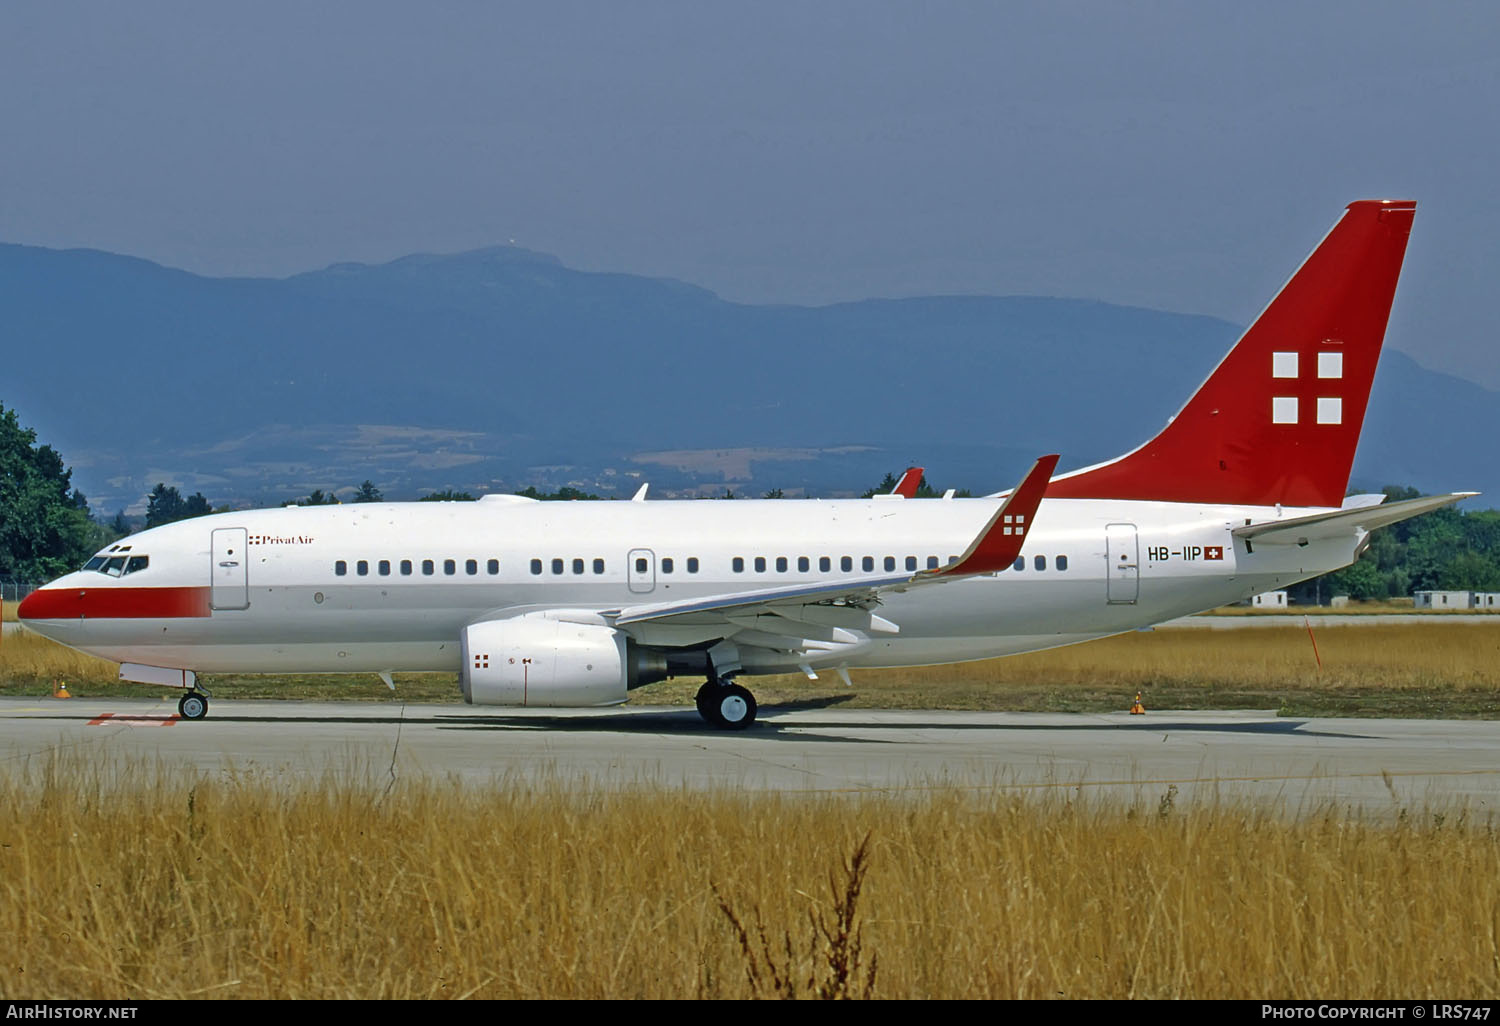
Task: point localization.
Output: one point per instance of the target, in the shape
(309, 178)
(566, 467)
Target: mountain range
(500, 368)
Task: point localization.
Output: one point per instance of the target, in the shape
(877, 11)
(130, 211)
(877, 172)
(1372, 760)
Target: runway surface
(1295, 766)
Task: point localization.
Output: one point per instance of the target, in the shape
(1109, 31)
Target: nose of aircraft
(49, 612)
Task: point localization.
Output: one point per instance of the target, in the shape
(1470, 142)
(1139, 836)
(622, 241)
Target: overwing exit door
(230, 577)
(1122, 551)
(642, 570)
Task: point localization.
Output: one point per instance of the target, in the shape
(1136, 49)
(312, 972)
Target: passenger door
(230, 570)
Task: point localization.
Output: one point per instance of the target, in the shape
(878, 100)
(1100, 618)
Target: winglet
(909, 483)
(997, 546)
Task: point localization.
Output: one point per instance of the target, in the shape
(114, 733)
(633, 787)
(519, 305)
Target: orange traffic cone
(61, 691)
(1137, 709)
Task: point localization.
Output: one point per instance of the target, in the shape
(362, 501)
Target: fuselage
(390, 586)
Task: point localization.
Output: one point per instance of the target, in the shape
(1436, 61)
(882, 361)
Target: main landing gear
(193, 705)
(726, 705)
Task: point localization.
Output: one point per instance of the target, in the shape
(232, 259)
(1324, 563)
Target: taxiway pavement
(1293, 765)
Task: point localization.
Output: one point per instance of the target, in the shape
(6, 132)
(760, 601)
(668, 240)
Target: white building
(1444, 599)
(1269, 600)
(1489, 601)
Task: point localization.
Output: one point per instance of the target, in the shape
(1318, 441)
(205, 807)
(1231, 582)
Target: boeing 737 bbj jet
(577, 603)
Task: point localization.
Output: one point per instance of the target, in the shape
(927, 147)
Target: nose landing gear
(726, 705)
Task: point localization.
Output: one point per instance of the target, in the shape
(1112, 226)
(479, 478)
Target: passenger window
(406, 568)
(385, 567)
(738, 564)
(449, 567)
(137, 563)
(536, 566)
(557, 566)
(803, 565)
(760, 564)
(1040, 562)
(598, 566)
(340, 568)
(427, 568)
(471, 567)
(868, 563)
(1062, 562)
(362, 568)
(640, 564)
(578, 566)
(781, 564)
(825, 564)
(890, 562)
(493, 566)
(846, 563)
(911, 562)
(932, 562)
(1020, 563)
(692, 564)
(666, 565)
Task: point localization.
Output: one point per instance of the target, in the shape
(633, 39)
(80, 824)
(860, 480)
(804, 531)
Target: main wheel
(704, 700)
(192, 706)
(733, 707)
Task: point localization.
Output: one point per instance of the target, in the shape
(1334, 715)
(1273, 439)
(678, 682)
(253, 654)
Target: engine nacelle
(532, 660)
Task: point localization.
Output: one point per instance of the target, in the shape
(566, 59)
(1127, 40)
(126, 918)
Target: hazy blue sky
(1184, 156)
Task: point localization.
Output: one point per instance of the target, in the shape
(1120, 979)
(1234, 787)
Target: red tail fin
(1278, 420)
(909, 483)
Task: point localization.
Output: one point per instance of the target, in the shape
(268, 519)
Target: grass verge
(177, 886)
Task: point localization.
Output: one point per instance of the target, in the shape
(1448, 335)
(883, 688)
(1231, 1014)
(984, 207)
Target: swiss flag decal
(1213, 552)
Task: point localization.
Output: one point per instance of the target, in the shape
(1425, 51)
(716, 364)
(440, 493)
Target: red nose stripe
(114, 603)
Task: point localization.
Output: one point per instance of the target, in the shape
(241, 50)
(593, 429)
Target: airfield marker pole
(1308, 624)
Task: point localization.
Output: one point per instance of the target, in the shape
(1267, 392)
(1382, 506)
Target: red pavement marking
(127, 720)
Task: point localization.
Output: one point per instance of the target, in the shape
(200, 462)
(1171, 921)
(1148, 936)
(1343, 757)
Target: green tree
(317, 498)
(448, 495)
(774, 493)
(45, 529)
(165, 505)
(566, 493)
(368, 493)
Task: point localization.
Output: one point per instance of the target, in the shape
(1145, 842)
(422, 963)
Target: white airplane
(1241, 492)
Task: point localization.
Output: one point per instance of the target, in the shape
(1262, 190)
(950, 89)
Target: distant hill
(498, 368)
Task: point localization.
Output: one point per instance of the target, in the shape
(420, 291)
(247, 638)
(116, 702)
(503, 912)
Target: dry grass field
(1432, 669)
(172, 888)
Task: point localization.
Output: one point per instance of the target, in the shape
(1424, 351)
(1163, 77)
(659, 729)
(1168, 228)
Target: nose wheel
(193, 706)
(726, 705)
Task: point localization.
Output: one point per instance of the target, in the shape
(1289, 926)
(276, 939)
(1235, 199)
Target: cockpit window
(117, 566)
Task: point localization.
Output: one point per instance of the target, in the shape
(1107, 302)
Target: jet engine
(535, 660)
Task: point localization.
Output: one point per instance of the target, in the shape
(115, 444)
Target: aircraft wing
(1340, 523)
(840, 605)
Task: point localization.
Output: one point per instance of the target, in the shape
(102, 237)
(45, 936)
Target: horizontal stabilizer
(1340, 523)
